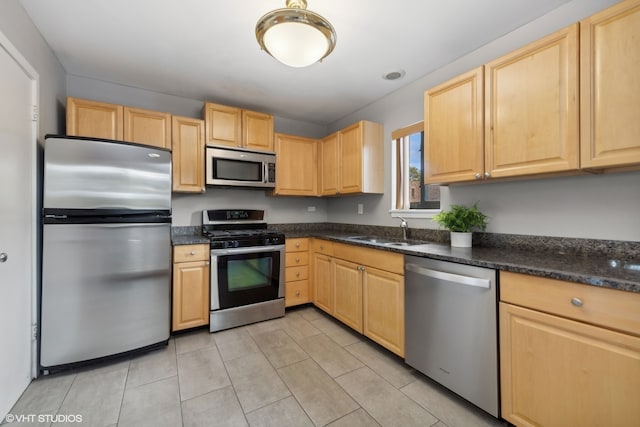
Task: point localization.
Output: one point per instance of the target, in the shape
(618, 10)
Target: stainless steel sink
(385, 242)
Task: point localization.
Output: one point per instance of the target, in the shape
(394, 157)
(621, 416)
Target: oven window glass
(237, 170)
(248, 273)
(247, 278)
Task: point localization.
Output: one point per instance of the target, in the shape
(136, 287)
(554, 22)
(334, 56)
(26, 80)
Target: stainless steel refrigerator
(106, 249)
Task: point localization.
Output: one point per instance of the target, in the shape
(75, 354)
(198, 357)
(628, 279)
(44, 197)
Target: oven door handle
(252, 249)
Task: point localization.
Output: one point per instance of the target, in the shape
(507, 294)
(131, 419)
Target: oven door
(243, 276)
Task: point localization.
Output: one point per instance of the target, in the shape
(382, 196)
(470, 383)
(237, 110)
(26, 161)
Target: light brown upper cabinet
(234, 127)
(531, 108)
(94, 119)
(351, 160)
(519, 116)
(453, 131)
(110, 121)
(187, 156)
(296, 157)
(610, 87)
(147, 127)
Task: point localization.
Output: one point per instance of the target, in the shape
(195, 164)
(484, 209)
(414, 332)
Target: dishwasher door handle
(449, 277)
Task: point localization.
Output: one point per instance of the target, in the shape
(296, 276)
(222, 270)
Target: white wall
(187, 209)
(598, 206)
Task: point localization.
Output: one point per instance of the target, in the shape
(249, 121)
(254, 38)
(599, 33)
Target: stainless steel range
(247, 268)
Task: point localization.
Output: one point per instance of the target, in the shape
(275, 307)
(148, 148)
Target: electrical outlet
(360, 208)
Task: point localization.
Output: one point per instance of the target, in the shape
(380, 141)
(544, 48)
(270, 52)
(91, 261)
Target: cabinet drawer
(294, 259)
(296, 293)
(322, 246)
(296, 273)
(610, 308)
(297, 245)
(185, 253)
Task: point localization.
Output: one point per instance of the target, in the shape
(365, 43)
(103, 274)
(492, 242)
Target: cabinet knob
(487, 175)
(297, 259)
(206, 263)
(577, 302)
(297, 293)
(192, 253)
(321, 247)
(297, 274)
(478, 176)
(298, 245)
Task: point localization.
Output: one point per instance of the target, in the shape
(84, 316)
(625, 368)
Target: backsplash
(614, 249)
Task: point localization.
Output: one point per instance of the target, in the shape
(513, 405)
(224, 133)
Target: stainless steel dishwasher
(451, 329)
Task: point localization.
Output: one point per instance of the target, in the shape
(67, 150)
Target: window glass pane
(408, 179)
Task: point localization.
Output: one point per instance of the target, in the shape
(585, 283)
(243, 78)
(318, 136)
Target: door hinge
(34, 332)
(34, 117)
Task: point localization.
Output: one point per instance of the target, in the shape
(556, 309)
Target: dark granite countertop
(591, 270)
(604, 263)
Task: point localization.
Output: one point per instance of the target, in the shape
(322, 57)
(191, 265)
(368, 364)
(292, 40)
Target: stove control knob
(234, 244)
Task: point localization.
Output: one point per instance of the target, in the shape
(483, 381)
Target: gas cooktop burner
(237, 229)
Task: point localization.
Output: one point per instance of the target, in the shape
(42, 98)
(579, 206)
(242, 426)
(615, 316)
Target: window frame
(395, 212)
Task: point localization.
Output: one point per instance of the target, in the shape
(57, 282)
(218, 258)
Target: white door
(18, 86)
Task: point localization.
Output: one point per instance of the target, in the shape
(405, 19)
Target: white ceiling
(206, 49)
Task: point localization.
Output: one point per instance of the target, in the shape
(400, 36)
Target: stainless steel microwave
(235, 167)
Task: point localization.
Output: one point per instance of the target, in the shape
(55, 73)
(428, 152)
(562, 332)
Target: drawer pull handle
(576, 301)
(192, 253)
(298, 245)
(297, 293)
(297, 274)
(298, 259)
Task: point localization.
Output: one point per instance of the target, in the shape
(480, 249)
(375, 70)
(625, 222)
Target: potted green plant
(461, 221)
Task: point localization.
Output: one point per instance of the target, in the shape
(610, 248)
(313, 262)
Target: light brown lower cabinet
(368, 299)
(190, 295)
(569, 353)
(296, 272)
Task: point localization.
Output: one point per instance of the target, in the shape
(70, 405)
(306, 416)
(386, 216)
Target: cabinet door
(558, 372)
(187, 155)
(329, 165)
(190, 295)
(610, 87)
(297, 165)
(383, 306)
(531, 108)
(223, 125)
(351, 149)
(257, 130)
(323, 282)
(147, 127)
(453, 130)
(94, 119)
(348, 293)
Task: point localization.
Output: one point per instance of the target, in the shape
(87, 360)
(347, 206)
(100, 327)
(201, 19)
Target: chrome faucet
(405, 227)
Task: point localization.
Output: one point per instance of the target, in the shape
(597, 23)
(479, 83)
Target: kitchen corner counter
(191, 235)
(590, 269)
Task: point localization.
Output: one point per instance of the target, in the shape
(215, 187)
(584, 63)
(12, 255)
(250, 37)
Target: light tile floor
(305, 369)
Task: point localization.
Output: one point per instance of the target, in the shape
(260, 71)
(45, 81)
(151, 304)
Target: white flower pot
(461, 240)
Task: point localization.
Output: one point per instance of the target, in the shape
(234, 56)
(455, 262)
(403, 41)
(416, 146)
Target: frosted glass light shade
(295, 36)
(295, 44)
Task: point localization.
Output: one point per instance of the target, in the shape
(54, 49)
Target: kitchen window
(410, 196)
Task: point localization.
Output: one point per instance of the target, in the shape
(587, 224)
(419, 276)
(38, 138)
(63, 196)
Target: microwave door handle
(265, 171)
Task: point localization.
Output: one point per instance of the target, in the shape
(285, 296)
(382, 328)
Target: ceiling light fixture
(295, 36)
